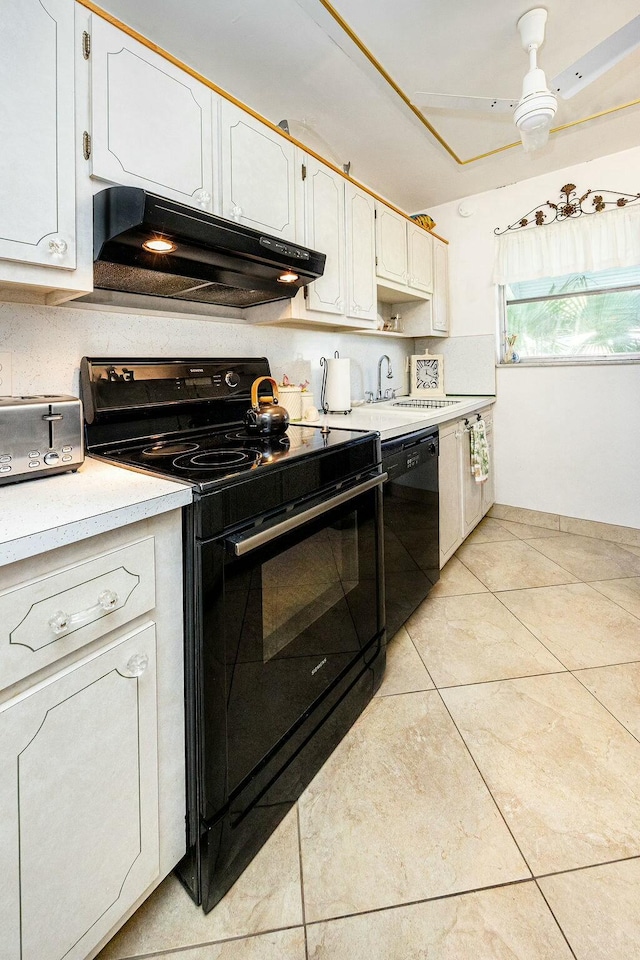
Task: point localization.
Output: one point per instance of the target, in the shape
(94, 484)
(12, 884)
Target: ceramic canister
(291, 399)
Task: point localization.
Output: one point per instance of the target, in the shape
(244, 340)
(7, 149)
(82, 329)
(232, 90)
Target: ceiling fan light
(535, 139)
(534, 115)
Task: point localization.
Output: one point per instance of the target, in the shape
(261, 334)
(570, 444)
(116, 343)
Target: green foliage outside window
(587, 316)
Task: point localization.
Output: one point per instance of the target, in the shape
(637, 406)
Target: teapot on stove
(266, 417)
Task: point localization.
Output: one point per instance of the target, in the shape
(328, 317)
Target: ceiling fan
(533, 113)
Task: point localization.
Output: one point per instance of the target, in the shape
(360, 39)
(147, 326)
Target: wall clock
(426, 376)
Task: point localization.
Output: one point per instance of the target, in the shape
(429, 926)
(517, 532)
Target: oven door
(287, 608)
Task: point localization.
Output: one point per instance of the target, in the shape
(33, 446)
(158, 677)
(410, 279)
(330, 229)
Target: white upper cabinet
(152, 122)
(440, 304)
(361, 253)
(420, 258)
(258, 174)
(324, 231)
(391, 245)
(37, 171)
(404, 256)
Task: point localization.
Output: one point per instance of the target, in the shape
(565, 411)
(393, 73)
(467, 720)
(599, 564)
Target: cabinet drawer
(50, 617)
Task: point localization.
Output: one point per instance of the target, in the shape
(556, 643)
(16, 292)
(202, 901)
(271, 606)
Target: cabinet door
(391, 245)
(489, 486)
(325, 231)
(420, 258)
(440, 305)
(450, 496)
(151, 121)
(471, 490)
(79, 795)
(361, 254)
(258, 174)
(37, 172)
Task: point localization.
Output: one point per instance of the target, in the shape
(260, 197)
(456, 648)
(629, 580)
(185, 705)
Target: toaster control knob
(51, 458)
(231, 378)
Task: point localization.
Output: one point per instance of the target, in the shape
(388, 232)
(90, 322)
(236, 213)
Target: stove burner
(282, 439)
(219, 460)
(168, 449)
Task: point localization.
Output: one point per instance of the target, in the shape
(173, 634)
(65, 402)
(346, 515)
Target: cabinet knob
(236, 212)
(202, 198)
(136, 665)
(57, 246)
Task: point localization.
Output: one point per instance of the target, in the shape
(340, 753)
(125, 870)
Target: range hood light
(288, 277)
(159, 245)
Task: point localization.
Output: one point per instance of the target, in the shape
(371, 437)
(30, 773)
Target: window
(584, 316)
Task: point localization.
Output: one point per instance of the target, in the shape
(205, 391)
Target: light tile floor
(485, 805)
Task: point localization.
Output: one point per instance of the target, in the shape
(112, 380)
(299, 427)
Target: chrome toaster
(39, 436)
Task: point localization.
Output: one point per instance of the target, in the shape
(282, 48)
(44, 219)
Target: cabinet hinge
(375, 214)
(306, 292)
(304, 171)
(376, 261)
(86, 44)
(86, 145)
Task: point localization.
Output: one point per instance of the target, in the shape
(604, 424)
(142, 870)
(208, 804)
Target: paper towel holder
(324, 363)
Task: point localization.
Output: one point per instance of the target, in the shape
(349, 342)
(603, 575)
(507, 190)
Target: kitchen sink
(420, 404)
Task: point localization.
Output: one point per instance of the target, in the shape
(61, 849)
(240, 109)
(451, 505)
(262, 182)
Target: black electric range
(284, 605)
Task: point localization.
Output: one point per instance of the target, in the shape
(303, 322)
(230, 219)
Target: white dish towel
(479, 451)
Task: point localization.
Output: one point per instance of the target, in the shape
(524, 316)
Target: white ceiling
(291, 59)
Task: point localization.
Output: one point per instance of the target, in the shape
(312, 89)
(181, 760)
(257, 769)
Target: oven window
(282, 623)
(300, 585)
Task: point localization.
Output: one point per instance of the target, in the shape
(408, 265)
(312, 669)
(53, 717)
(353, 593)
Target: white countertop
(39, 515)
(393, 421)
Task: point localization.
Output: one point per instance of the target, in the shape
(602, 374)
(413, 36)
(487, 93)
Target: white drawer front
(48, 618)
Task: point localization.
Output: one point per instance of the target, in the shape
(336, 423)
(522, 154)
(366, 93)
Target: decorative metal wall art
(571, 207)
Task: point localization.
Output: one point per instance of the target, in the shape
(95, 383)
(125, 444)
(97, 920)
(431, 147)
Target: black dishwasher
(411, 535)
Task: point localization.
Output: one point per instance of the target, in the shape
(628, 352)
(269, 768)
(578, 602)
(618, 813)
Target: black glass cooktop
(217, 456)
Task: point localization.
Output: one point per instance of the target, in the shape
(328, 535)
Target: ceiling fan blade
(598, 60)
(450, 101)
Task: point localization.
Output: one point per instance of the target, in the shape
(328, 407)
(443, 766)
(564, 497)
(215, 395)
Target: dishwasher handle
(242, 544)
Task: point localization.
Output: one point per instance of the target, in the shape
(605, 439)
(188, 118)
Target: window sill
(572, 362)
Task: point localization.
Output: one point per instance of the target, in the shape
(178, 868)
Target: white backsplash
(469, 363)
(47, 344)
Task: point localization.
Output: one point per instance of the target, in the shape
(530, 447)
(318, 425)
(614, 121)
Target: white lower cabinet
(450, 491)
(92, 779)
(79, 788)
(463, 501)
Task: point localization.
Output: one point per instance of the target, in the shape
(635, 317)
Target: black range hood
(208, 259)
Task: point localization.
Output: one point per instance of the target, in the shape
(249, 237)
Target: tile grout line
(171, 951)
(550, 909)
(301, 868)
(523, 624)
(590, 583)
(415, 903)
(481, 775)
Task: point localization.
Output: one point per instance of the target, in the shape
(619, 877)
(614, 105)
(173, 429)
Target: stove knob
(231, 378)
(51, 458)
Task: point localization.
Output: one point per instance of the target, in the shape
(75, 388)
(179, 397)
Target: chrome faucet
(389, 375)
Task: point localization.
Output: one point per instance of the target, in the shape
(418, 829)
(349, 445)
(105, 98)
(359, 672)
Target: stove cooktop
(220, 456)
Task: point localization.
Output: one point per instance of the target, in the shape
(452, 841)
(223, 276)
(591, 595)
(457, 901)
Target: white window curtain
(592, 242)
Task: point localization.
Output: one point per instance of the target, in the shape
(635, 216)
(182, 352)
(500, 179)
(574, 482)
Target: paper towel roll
(338, 390)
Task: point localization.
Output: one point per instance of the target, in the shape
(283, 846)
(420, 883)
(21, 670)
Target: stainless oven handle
(244, 545)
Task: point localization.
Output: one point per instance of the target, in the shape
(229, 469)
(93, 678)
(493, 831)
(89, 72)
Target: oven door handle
(241, 545)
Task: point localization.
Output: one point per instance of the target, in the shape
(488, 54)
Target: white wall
(566, 437)
(47, 344)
